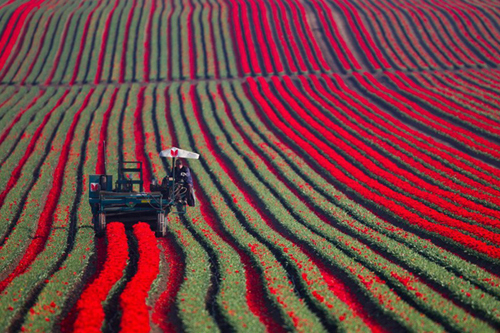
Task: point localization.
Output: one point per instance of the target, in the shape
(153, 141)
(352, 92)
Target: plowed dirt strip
(45, 222)
(89, 308)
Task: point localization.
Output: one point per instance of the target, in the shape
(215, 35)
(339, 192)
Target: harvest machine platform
(128, 202)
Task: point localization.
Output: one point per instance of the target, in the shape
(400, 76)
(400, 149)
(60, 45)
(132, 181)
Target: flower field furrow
(371, 50)
(25, 289)
(466, 28)
(455, 34)
(446, 106)
(415, 29)
(76, 70)
(424, 165)
(62, 44)
(226, 262)
(330, 29)
(411, 217)
(314, 55)
(301, 230)
(388, 192)
(135, 316)
(400, 251)
(412, 180)
(431, 122)
(13, 29)
(395, 26)
(102, 50)
(296, 313)
(452, 157)
(8, 128)
(481, 103)
(347, 177)
(90, 313)
(124, 47)
(44, 225)
(17, 172)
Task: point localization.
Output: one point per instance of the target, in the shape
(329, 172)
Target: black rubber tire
(161, 225)
(100, 225)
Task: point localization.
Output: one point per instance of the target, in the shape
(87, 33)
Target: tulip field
(349, 171)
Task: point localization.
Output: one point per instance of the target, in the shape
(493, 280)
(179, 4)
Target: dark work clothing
(183, 175)
(184, 179)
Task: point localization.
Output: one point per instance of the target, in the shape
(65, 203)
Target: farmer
(183, 177)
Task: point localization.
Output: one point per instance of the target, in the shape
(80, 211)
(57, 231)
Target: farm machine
(128, 202)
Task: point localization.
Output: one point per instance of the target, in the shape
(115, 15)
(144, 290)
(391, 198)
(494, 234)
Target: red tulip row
(13, 30)
(485, 82)
(432, 41)
(89, 308)
(45, 221)
(57, 59)
(48, 281)
(36, 56)
(200, 226)
(23, 200)
(320, 246)
(263, 40)
(402, 39)
(135, 315)
(451, 86)
(477, 171)
(410, 251)
(471, 15)
(278, 241)
(371, 189)
(443, 106)
(104, 44)
(85, 32)
(419, 168)
(375, 57)
(424, 117)
(468, 30)
(395, 140)
(406, 181)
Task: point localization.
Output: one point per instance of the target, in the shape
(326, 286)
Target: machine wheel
(100, 224)
(161, 225)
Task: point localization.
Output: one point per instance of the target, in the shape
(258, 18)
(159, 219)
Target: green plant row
(277, 289)
(351, 248)
(21, 288)
(420, 266)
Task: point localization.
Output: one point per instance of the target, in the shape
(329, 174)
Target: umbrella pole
(172, 194)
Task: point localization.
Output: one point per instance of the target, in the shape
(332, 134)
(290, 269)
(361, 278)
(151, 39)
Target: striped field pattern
(349, 177)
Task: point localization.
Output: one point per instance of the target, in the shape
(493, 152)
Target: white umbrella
(179, 153)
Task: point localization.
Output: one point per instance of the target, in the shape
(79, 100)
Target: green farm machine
(127, 201)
